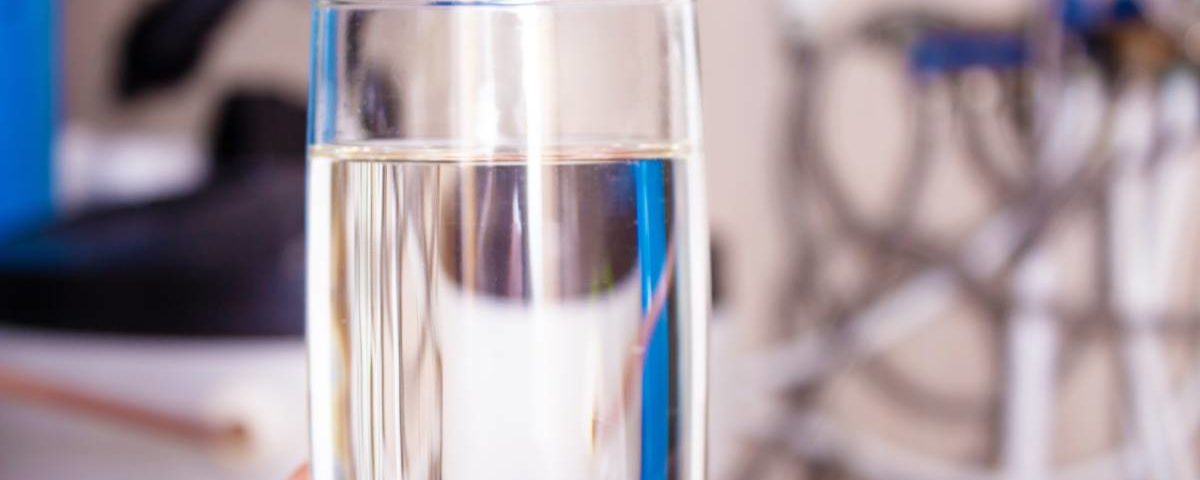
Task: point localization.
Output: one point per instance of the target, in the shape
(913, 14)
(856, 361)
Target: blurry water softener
(27, 111)
(883, 267)
(1072, 227)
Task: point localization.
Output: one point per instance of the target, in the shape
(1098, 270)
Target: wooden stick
(26, 387)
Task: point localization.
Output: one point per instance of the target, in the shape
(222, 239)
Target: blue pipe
(28, 112)
(656, 381)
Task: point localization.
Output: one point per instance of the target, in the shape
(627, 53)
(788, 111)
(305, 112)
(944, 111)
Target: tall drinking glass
(507, 271)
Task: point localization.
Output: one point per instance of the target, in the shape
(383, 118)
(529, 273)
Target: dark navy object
(950, 51)
(167, 43)
(226, 261)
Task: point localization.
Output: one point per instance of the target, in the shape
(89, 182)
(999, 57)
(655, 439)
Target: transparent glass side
(485, 76)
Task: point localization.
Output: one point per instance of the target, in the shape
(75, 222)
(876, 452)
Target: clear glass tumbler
(508, 255)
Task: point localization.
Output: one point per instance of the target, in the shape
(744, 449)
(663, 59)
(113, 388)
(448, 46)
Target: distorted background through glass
(952, 240)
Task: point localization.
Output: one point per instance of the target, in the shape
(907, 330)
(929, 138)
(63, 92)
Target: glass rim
(493, 3)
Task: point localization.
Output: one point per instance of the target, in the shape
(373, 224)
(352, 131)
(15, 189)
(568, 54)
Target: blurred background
(952, 240)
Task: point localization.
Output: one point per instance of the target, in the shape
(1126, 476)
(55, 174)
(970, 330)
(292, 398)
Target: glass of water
(507, 243)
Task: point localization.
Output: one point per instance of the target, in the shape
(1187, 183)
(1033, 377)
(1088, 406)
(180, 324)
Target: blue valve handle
(951, 51)
(1087, 15)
